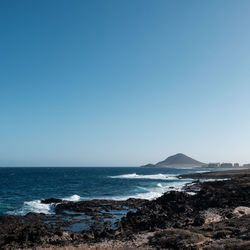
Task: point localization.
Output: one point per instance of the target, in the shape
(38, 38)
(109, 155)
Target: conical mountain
(178, 160)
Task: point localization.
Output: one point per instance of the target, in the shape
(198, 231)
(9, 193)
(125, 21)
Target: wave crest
(74, 197)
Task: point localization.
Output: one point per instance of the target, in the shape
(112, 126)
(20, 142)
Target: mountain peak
(179, 155)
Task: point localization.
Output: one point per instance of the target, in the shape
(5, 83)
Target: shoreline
(176, 220)
(225, 174)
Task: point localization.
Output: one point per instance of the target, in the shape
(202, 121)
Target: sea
(23, 188)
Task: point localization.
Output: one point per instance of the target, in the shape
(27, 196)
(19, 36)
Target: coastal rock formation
(216, 217)
(177, 209)
(95, 206)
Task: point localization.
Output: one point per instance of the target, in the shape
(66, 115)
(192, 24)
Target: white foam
(34, 206)
(37, 207)
(142, 176)
(74, 197)
(191, 193)
(207, 180)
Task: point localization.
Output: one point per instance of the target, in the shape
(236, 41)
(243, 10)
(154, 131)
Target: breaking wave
(74, 197)
(152, 192)
(33, 206)
(36, 206)
(142, 176)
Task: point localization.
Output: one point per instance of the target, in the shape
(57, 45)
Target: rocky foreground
(216, 217)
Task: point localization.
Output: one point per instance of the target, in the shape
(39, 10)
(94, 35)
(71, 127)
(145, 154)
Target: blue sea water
(22, 188)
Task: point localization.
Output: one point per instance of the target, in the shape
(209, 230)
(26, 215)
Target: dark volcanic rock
(95, 206)
(160, 213)
(51, 200)
(223, 194)
(177, 209)
(29, 231)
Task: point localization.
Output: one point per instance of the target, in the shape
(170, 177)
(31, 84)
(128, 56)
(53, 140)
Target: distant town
(226, 165)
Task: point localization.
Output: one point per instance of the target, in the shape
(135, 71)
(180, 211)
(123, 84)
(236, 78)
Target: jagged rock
(211, 215)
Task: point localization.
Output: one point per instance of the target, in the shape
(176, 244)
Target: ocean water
(22, 188)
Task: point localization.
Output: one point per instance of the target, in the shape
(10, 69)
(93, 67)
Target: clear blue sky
(88, 83)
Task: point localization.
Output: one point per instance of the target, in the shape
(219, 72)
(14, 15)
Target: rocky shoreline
(217, 216)
(217, 175)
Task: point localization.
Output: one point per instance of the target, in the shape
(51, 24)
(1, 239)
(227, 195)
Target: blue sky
(123, 83)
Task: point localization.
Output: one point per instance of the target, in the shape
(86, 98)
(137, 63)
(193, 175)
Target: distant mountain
(178, 160)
